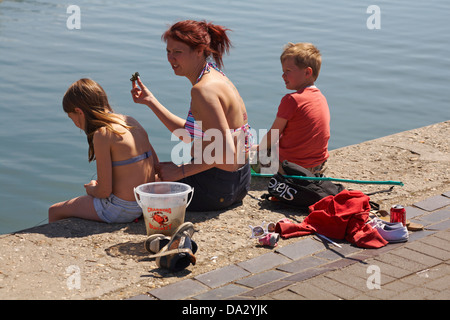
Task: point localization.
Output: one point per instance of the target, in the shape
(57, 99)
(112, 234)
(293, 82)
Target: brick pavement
(311, 269)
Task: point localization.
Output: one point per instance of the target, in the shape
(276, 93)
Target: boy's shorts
(116, 210)
(217, 189)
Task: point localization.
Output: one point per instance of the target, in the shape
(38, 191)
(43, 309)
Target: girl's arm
(102, 187)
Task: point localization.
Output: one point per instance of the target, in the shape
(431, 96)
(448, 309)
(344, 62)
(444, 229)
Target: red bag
(342, 216)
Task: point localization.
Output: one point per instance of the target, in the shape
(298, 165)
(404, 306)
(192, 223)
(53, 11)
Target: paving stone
(401, 262)
(440, 226)
(437, 242)
(266, 289)
(341, 263)
(416, 235)
(416, 256)
(221, 293)
(442, 295)
(179, 290)
(265, 262)
(416, 293)
(397, 286)
(360, 257)
(437, 216)
(284, 295)
(334, 287)
(301, 248)
(429, 250)
(440, 284)
(427, 275)
(312, 292)
(414, 212)
(445, 235)
(433, 203)
(301, 264)
(307, 274)
(366, 297)
(329, 255)
(349, 278)
(216, 278)
(262, 278)
(382, 294)
(446, 194)
(333, 253)
(389, 269)
(359, 272)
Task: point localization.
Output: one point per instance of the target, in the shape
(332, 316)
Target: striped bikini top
(194, 129)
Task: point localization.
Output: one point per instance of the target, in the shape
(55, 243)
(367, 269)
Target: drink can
(398, 214)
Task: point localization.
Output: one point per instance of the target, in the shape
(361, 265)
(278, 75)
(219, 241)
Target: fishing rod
(397, 183)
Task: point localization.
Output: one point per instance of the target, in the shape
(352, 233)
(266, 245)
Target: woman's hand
(140, 92)
(168, 171)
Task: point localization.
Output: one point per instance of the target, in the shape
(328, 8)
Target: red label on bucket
(160, 218)
(168, 210)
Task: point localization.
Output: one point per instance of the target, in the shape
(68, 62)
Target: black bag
(299, 192)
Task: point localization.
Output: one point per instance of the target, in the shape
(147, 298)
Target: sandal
(179, 252)
(156, 242)
(412, 226)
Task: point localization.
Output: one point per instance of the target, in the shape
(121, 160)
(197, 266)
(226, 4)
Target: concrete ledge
(77, 259)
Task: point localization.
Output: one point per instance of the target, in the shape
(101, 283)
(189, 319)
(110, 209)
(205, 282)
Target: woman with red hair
(217, 119)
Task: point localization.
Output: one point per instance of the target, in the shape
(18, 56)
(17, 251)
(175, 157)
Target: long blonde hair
(90, 97)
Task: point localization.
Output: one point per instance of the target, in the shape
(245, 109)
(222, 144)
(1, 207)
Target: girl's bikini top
(194, 129)
(138, 158)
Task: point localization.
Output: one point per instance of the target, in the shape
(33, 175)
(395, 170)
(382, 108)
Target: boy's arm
(273, 135)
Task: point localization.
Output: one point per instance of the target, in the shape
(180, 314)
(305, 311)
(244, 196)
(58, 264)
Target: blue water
(377, 81)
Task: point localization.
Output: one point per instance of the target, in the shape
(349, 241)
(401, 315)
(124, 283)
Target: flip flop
(179, 251)
(156, 242)
(412, 226)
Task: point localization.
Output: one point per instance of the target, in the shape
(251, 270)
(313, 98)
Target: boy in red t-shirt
(303, 117)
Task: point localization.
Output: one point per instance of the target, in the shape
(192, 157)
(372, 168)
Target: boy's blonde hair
(305, 55)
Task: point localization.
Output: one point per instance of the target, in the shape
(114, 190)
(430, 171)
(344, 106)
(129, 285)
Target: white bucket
(163, 205)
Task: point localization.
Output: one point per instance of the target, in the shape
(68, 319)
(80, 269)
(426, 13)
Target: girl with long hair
(122, 151)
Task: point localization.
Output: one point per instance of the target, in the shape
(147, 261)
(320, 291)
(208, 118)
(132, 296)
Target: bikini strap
(138, 158)
(207, 68)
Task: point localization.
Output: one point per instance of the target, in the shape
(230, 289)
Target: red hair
(210, 38)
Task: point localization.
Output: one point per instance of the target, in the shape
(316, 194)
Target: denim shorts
(116, 210)
(217, 189)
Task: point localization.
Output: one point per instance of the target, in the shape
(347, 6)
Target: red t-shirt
(304, 140)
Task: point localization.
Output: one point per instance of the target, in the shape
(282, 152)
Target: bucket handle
(140, 203)
(137, 200)
(192, 195)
